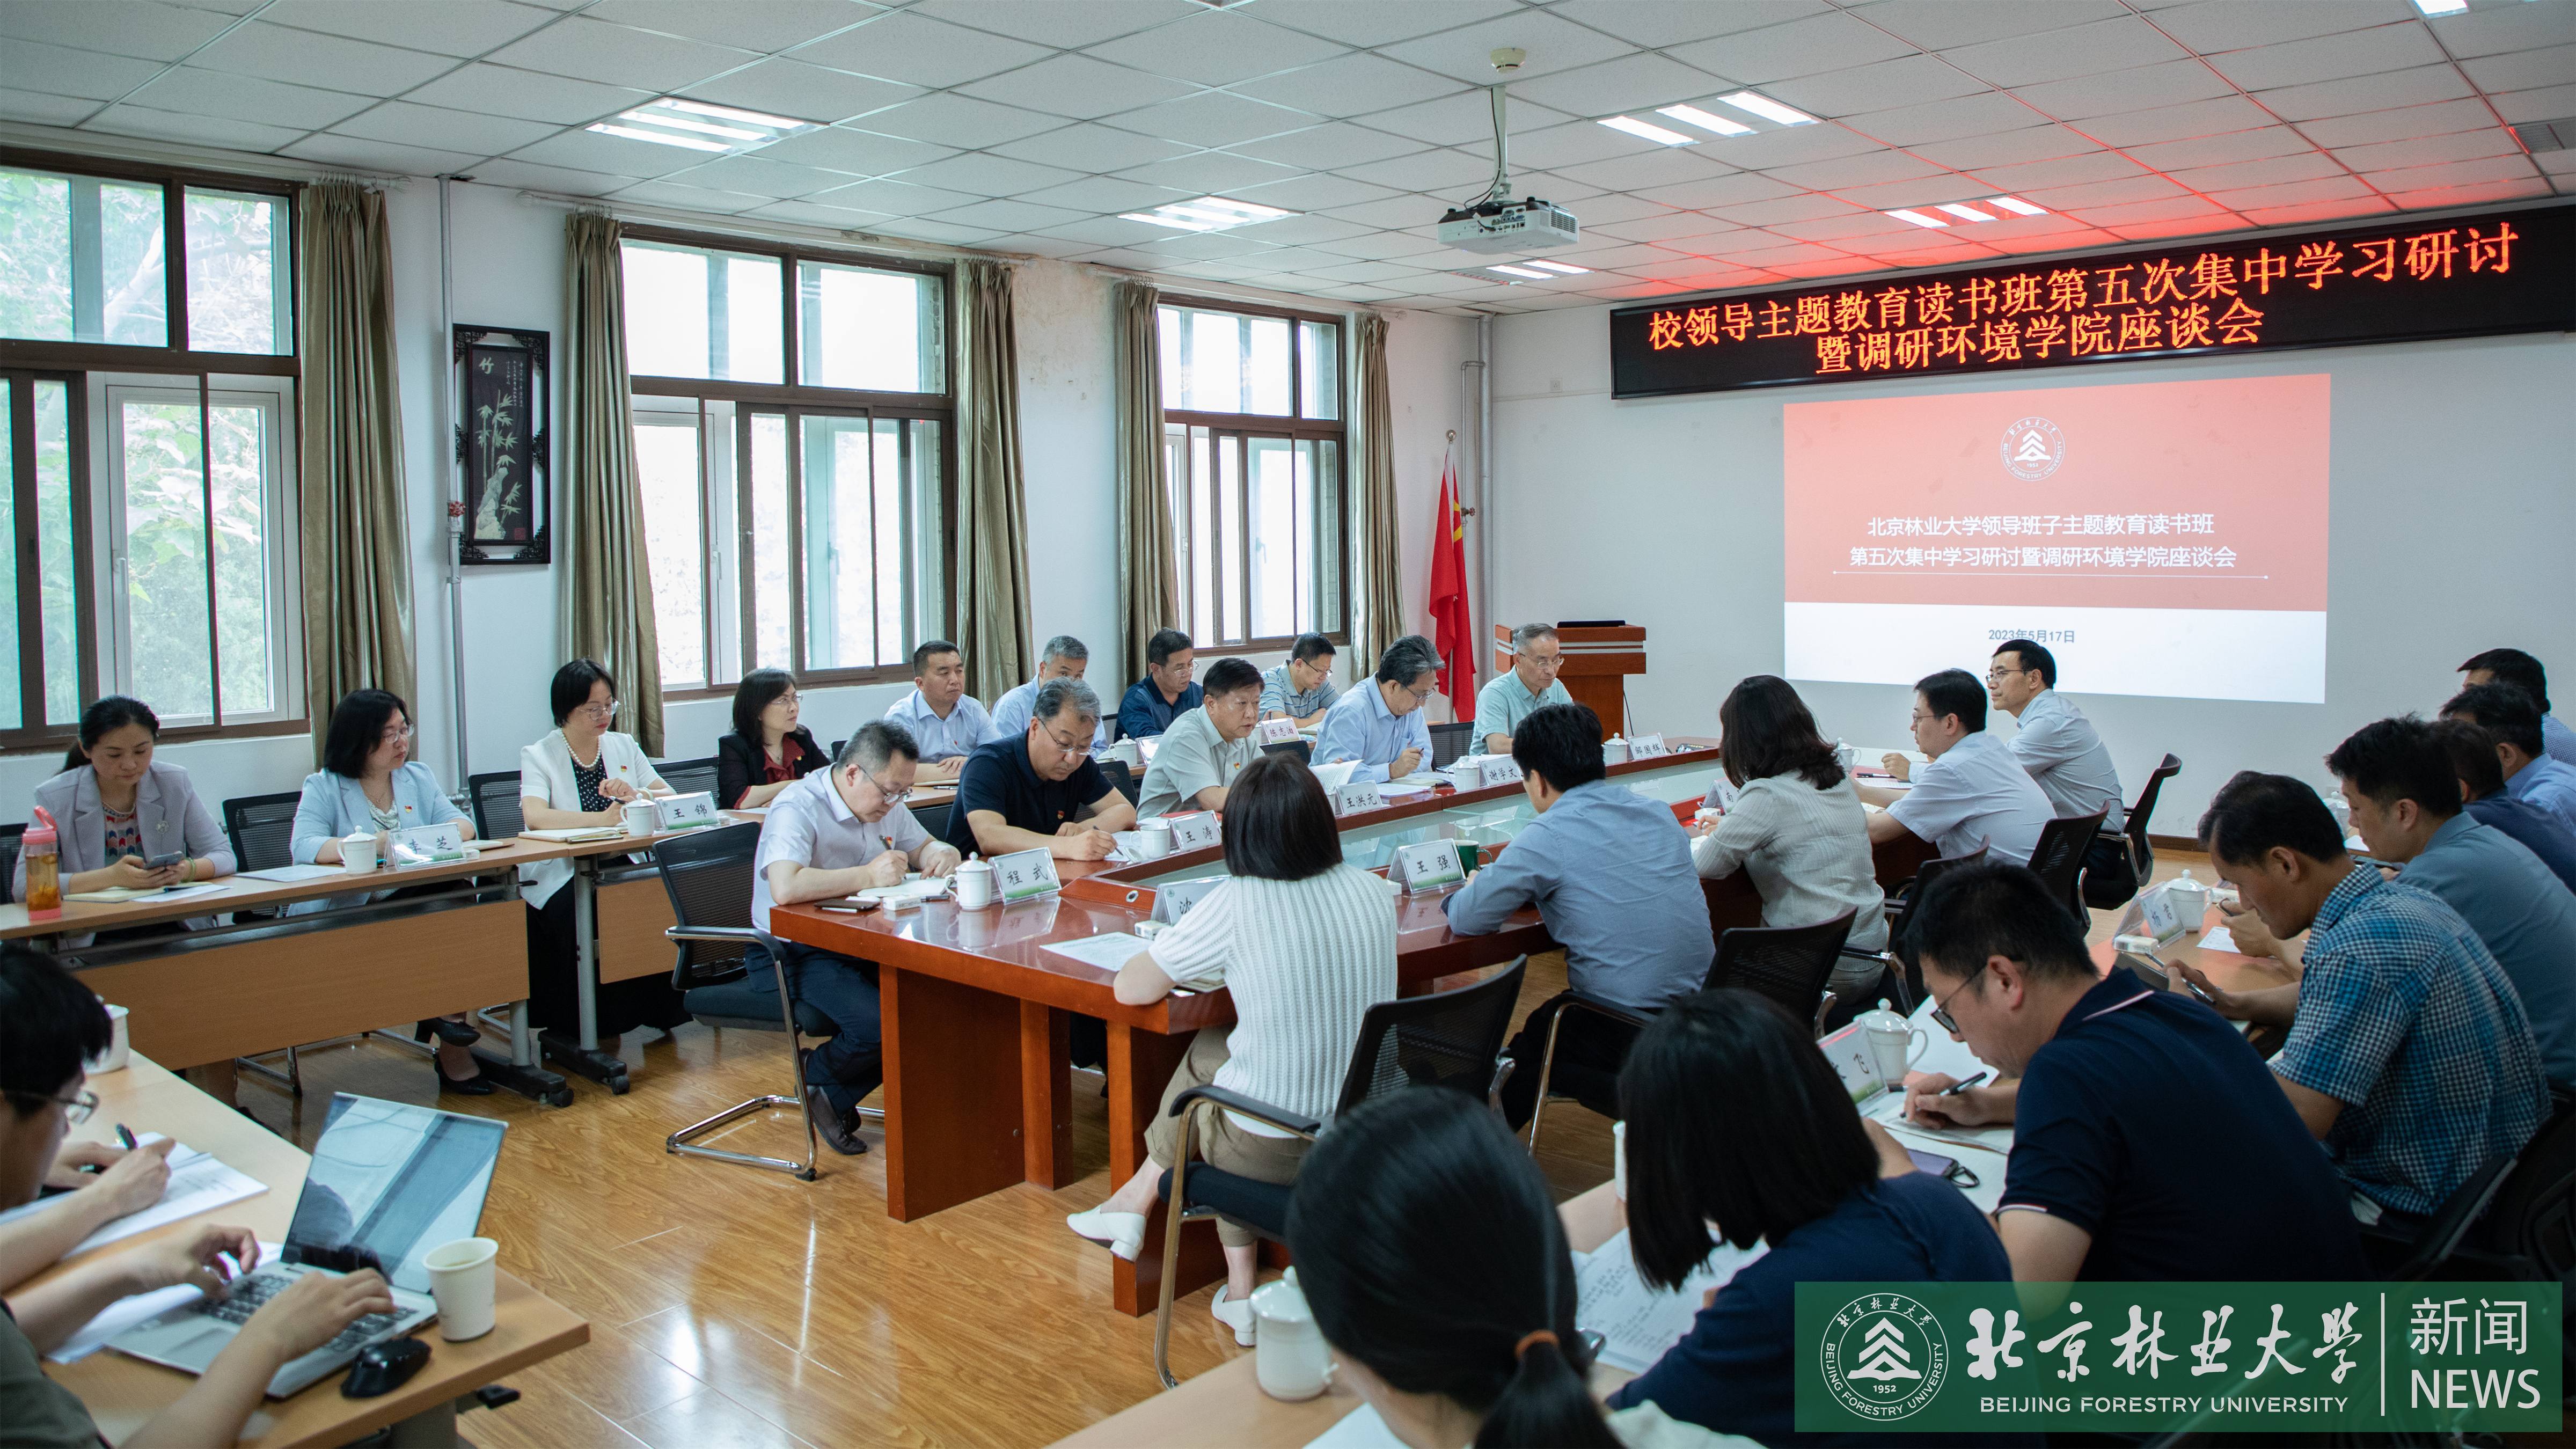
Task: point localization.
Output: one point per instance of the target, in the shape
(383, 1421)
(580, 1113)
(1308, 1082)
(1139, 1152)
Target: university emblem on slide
(1885, 1356)
(2033, 447)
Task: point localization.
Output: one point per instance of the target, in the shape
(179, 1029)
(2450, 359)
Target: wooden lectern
(1597, 661)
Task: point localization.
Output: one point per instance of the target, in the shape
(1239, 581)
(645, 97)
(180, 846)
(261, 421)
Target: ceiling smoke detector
(1508, 59)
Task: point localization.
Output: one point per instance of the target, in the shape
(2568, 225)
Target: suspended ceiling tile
(1806, 206)
(1717, 193)
(2236, 176)
(1305, 231)
(1434, 173)
(1077, 86)
(2428, 150)
(897, 198)
(855, 152)
(2327, 188)
(45, 110)
(696, 198)
(561, 180)
(381, 156)
(2213, 27)
(1364, 272)
(1105, 195)
(1009, 216)
(1656, 23)
(1670, 226)
(1036, 245)
(1554, 46)
(919, 50)
(1788, 146)
(1929, 191)
(1819, 43)
(1374, 22)
(1209, 173)
(436, 128)
(762, 25)
(595, 50)
(949, 119)
(1107, 231)
(1376, 246)
(2248, 145)
(1314, 193)
(1971, 115)
(2315, 212)
(2544, 103)
(979, 174)
(2068, 54)
(2148, 229)
(1908, 81)
(952, 232)
(1329, 147)
(1663, 166)
(498, 90)
(2104, 193)
(295, 56)
(815, 214)
(1632, 83)
(1088, 147)
(2330, 57)
(1945, 24)
(1052, 22)
(1843, 228)
(2452, 173)
(609, 155)
(2504, 28)
(1870, 170)
(1356, 85)
(1212, 118)
(806, 92)
(2175, 123)
(2523, 70)
(1570, 145)
(2136, 89)
(2008, 148)
(64, 71)
(2160, 209)
(449, 27)
(190, 91)
(1460, 118)
(2425, 83)
(1216, 47)
(140, 28)
(2064, 171)
(135, 120)
(1610, 206)
(2438, 118)
(2482, 194)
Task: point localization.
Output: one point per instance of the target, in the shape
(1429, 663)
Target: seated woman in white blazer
(582, 774)
(119, 810)
(369, 784)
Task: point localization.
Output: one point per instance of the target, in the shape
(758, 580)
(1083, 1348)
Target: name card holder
(1025, 875)
(1429, 866)
(694, 811)
(1277, 732)
(1173, 900)
(1357, 797)
(425, 845)
(1647, 747)
(1197, 830)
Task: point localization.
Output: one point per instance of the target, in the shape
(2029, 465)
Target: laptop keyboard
(249, 1293)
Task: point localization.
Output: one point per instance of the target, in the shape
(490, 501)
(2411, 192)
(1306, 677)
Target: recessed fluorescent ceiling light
(1534, 276)
(2442, 7)
(1694, 116)
(1768, 109)
(1647, 129)
(1567, 268)
(1208, 213)
(1918, 218)
(2017, 206)
(698, 126)
(1964, 213)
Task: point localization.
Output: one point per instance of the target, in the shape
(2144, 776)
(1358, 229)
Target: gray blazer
(165, 806)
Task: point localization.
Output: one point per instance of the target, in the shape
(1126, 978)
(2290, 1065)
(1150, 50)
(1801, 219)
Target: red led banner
(2457, 277)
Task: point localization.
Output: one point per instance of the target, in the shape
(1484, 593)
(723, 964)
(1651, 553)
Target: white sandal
(1123, 1232)
(1237, 1316)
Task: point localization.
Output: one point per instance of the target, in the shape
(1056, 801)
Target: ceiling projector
(1494, 222)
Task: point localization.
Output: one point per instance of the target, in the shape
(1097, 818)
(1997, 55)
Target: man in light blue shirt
(1610, 872)
(2514, 667)
(1065, 658)
(2405, 806)
(1974, 792)
(1301, 689)
(1380, 724)
(1507, 699)
(944, 719)
(2066, 756)
(2513, 717)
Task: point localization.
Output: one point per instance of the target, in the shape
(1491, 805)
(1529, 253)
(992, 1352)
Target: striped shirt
(1807, 851)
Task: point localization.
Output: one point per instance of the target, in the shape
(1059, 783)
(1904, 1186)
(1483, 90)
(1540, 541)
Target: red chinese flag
(1450, 626)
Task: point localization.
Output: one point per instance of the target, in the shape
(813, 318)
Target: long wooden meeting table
(122, 1393)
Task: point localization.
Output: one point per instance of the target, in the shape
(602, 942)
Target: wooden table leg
(1046, 1094)
(952, 1092)
(1140, 1067)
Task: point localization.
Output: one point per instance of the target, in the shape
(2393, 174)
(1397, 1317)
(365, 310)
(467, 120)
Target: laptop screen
(393, 1181)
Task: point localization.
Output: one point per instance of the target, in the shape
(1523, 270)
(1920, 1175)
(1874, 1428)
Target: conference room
(972, 661)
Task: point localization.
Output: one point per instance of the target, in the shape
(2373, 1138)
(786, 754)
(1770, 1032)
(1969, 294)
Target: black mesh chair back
(262, 829)
(708, 877)
(836, 749)
(689, 777)
(2529, 1232)
(934, 818)
(1446, 1039)
(2060, 856)
(2140, 852)
(496, 804)
(10, 836)
(1901, 921)
(1299, 750)
(1124, 778)
(1789, 964)
(1448, 742)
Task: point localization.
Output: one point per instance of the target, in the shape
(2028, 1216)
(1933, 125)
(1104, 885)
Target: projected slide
(2160, 538)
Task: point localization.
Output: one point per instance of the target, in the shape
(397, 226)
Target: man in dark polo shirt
(1040, 791)
(2142, 1122)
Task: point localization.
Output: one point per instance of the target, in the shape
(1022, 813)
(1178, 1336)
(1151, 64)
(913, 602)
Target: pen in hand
(1956, 1088)
(125, 1135)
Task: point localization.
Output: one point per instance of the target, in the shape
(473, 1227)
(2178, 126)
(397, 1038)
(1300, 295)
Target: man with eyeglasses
(1382, 726)
(826, 836)
(1042, 791)
(2065, 754)
(1507, 699)
(2107, 1179)
(1973, 792)
(1205, 749)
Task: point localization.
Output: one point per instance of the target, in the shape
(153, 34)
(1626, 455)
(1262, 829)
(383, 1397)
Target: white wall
(2453, 479)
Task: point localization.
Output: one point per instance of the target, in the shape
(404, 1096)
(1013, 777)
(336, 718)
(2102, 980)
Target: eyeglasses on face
(1549, 662)
(892, 795)
(76, 1110)
(1079, 748)
(600, 711)
(1941, 1012)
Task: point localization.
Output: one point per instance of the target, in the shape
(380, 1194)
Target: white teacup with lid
(1289, 1357)
(358, 852)
(2190, 898)
(1895, 1044)
(974, 881)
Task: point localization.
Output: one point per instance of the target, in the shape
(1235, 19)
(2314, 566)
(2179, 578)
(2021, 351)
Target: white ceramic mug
(642, 818)
(1153, 838)
(1289, 1357)
(112, 1059)
(974, 881)
(1896, 1051)
(463, 1277)
(358, 852)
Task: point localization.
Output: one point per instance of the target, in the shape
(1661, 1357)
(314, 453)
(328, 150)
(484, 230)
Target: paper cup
(112, 1059)
(464, 1278)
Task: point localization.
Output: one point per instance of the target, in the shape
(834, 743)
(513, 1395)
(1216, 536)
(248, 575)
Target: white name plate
(1025, 875)
(1426, 867)
(1356, 797)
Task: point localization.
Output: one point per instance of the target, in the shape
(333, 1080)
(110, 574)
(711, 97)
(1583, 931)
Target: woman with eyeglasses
(767, 750)
(583, 774)
(127, 819)
(370, 784)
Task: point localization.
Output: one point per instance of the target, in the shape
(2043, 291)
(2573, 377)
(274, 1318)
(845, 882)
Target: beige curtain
(1149, 588)
(992, 503)
(607, 589)
(1381, 572)
(357, 553)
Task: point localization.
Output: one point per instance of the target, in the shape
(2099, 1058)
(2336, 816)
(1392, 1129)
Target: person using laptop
(49, 1025)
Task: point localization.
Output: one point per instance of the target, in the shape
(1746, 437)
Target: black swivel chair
(934, 818)
(1448, 742)
(1302, 751)
(2141, 854)
(1129, 782)
(708, 876)
(496, 804)
(1450, 1039)
(2059, 857)
(690, 777)
(1788, 964)
(1900, 918)
(261, 829)
(2529, 1230)
(10, 837)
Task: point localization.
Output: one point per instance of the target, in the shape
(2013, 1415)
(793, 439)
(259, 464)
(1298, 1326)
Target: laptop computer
(388, 1183)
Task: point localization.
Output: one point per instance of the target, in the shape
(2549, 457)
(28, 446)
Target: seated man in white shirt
(1974, 792)
(1380, 724)
(1199, 756)
(1065, 657)
(945, 722)
(2065, 754)
(830, 834)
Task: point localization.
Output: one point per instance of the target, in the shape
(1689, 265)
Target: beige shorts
(1218, 1139)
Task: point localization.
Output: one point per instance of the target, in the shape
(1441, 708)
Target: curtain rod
(716, 221)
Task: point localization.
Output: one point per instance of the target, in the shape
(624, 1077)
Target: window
(804, 525)
(147, 431)
(1253, 444)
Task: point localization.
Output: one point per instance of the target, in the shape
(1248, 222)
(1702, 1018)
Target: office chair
(708, 877)
(2141, 853)
(934, 818)
(261, 829)
(1448, 742)
(496, 804)
(2529, 1230)
(1129, 782)
(2449, 1225)
(2059, 857)
(690, 777)
(1450, 1039)
(1900, 917)
(1788, 964)
(1302, 751)
(10, 838)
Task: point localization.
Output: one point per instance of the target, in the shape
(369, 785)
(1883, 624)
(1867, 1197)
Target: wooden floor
(733, 1306)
